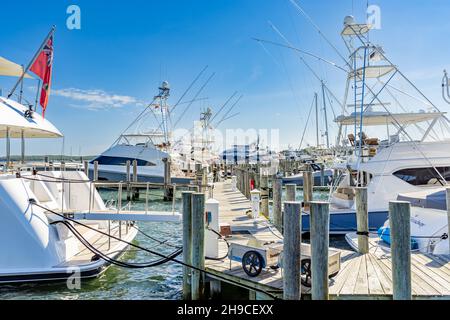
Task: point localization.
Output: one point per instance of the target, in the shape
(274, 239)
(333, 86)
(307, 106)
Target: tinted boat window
(423, 176)
(119, 161)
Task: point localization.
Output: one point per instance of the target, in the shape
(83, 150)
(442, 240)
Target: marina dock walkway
(361, 276)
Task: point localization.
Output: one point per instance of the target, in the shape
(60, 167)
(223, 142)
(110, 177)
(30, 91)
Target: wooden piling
(168, 192)
(322, 175)
(400, 234)
(187, 244)
(95, 178)
(320, 241)
(277, 195)
(265, 196)
(291, 192)
(362, 220)
(291, 251)
(86, 168)
(308, 184)
(215, 289)
(247, 183)
(198, 245)
(135, 171)
(199, 175)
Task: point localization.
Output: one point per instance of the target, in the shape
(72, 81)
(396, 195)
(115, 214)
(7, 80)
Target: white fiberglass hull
(62, 273)
(428, 230)
(33, 247)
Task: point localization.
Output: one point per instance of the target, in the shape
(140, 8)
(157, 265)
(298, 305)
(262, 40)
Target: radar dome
(165, 85)
(349, 20)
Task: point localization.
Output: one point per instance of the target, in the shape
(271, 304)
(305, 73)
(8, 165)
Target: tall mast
(316, 98)
(325, 115)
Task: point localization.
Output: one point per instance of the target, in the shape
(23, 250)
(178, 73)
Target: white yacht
(389, 148)
(429, 224)
(252, 153)
(37, 242)
(148, 148)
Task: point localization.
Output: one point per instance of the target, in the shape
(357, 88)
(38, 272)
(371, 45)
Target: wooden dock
(361, 276)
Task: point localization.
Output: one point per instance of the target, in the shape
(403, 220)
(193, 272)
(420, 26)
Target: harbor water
(159, 283)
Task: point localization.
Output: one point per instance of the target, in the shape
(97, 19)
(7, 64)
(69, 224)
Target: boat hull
(59, 274)
(113, 176)
(298, 179)
(342, 222)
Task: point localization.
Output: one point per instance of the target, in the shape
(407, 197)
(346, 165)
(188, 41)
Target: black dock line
(33, 202)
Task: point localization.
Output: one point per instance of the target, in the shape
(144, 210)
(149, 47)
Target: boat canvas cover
(11, 69)
(372, 72)
(13, 117)
(383, 118)
(426, 199)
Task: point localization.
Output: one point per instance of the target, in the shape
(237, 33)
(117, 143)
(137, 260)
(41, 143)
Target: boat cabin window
(423, 176)
(120, 161)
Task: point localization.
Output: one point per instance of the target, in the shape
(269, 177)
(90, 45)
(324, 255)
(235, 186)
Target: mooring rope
(271, 293)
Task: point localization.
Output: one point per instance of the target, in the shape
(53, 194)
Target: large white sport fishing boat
(54, 225)
(37, 243)
(429, 209)
(429, 224)
(149, 148)
(388, 147)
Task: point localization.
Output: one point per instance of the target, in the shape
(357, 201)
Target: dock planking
(366, 276)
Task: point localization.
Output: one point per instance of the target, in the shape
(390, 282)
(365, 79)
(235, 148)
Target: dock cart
(257, 255)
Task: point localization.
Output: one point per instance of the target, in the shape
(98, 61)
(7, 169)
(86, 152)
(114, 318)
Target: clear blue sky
(124, 49)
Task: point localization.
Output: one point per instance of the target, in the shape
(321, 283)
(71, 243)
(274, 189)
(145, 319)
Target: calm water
(161, 283)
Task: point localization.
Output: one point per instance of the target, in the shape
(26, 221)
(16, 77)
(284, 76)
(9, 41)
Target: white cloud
(96, 99)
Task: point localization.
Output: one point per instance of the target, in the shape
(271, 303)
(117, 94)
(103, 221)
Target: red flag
(42, 67)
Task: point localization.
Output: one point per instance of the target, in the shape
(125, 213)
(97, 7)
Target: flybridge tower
(367, 67)
(161, 103)
(369, 84)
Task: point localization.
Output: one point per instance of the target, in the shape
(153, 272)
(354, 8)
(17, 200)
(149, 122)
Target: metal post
(146, 197)
(198, 245)
(187, 244)
(292, 251)
(291, 190)
(8, 149)
(22, 160)
(119, 207)
(362, 219)
(400, 233)
(317, 118)
(320, 227)
(128, 178)
(277, 194)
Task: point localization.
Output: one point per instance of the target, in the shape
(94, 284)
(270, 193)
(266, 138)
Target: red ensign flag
(42, 67)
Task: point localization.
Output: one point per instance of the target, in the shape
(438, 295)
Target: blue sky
(104, 72)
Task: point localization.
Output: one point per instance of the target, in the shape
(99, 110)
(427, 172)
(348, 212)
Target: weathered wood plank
(361, 277)
(350, 283)
(374, 282)
(382, 276)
